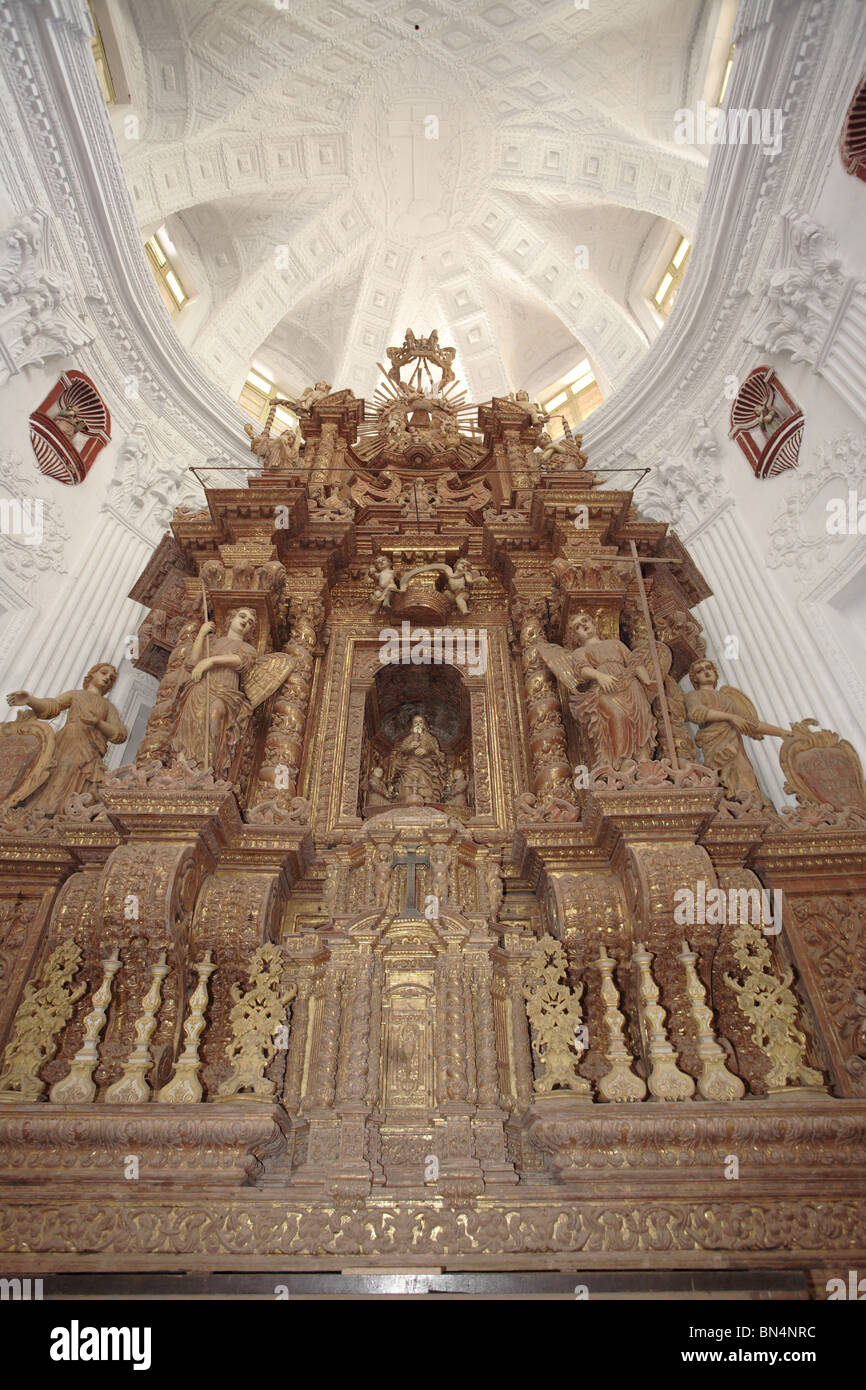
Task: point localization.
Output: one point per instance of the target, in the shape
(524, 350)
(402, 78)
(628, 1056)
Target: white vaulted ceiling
(288, 151)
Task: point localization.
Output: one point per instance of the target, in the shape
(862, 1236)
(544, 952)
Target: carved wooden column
(548, 750)
(329, 1037)
(284, 744)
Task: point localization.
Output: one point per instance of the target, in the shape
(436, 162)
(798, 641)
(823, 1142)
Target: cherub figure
(383, 574)
(723, 717)
(457, 789)
(532, 408)
(311, 395)
(459, 580)
(440, 863)
(564, 453)
(377, 789)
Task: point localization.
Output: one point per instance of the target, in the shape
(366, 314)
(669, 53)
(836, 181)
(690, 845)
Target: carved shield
(267, 676)
(830, 774)
(821, 767)
(26, 758)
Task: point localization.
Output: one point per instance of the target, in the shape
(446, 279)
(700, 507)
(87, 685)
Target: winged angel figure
(608, 684)
(723, 716)
(223, 687)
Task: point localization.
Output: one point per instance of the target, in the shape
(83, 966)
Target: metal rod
(657, 670)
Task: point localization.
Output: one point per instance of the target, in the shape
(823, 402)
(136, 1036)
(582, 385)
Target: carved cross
(411, 859)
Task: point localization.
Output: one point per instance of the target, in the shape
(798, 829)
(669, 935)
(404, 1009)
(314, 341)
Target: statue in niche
(92, 723)
(376, 787)
(440, 864)
(223, 687)
(418, 765)
(609, 684)
(723, 717)
(457, 792)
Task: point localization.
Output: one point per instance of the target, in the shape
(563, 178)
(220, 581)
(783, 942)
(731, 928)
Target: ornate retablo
(442, 905)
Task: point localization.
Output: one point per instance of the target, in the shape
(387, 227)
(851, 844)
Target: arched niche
(391, 773)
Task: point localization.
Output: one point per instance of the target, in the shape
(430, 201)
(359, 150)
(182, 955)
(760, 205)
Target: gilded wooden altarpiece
(297, 978)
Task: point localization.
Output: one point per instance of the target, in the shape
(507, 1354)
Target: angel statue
(608, 684)
(224, 685)
(282, 452)
(723, 717)
(92, 723)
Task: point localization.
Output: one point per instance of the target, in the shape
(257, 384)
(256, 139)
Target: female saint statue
(608, 684)
(418, 765)
(212, 699)
(91, 724)
(723, 717)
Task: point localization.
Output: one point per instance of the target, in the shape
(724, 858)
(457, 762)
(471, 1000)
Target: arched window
(852, 145)
(766, 423)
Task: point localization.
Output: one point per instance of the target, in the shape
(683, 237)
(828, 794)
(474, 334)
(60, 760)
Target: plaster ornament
(38, 317)
(91, 724)
(607, 683)
(69, 428)
(723, 717)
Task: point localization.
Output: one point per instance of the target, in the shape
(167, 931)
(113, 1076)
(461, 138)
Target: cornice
(782, 48)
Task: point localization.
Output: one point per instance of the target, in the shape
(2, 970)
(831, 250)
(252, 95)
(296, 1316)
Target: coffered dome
(326, 174)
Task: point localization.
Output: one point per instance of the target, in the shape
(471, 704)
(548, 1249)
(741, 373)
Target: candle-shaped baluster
(620, 1083)
(665, 1080)
(715, 1081)
(185, 1087)
(79, 1088)
(133, 1088)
